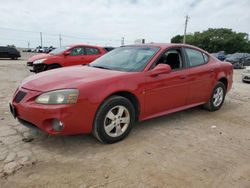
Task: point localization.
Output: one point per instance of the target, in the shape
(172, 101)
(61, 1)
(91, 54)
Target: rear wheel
(114, 120)
(217, 97)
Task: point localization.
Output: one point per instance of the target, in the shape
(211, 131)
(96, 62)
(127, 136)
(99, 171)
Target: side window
(195, 57)
(173, 58)
(77, 51)
(91, 51)
(205, 57)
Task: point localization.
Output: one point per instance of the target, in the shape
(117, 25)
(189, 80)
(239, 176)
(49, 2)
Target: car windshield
(237, 55)
(128, 59)
(59, 50)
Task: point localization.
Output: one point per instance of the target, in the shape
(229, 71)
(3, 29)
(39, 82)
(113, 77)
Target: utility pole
(185, 29)
(123, 41)
(41, 38)
(28, 45)
(60, 40)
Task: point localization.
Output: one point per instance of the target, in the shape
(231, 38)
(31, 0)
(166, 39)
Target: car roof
(167, 45)
(87, 45)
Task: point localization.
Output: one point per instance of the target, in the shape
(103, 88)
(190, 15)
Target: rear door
(91, 54)
(201, 74)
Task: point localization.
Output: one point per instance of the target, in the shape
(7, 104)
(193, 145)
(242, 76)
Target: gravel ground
(192, 148)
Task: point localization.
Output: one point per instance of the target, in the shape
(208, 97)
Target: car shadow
(80, 144)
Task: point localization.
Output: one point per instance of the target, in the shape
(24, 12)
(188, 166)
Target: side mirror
(66, 53)
(161, 69)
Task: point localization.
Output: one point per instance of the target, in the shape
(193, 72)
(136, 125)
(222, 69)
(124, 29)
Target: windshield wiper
(100, 67)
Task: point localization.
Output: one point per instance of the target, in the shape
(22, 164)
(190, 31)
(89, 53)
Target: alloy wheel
(116, 121)
(218, 96)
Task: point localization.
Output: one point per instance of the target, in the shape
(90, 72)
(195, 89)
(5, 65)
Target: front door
(166, 92)
(76, 56)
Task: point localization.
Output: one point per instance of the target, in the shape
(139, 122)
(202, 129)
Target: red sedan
(66, 56)
(128, 84)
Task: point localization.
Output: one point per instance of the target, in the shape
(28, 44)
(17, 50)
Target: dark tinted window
(108, 49)
(91, 51)
(3, 49)
(195, 57)
(172, 58)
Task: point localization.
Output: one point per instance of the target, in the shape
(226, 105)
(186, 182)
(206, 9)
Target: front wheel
(217, 97)
(114, 120)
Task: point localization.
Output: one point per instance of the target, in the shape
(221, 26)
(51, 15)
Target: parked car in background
(128, 84)
(220, 55)
(239, 60)
(65, 56)
(246, 75)
(9, 52)
(40, 49)
(108, 49)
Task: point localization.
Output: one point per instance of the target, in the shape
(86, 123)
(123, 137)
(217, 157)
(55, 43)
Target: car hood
(69, 77)
(39, 56)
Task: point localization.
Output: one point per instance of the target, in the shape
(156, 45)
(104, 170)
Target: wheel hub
(116, 121)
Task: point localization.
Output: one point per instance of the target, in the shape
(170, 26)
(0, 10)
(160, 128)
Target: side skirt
(171, 111)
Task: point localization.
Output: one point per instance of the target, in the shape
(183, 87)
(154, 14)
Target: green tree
(214, 40)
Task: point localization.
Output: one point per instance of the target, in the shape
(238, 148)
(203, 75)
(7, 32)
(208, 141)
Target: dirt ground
(192, 148)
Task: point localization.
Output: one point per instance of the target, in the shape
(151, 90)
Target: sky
(105, 22)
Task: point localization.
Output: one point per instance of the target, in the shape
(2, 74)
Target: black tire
(100, 119)
(245, 81)
(53, 66)
(210, 104)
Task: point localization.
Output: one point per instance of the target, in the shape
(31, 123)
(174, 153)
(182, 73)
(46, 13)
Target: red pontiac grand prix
(129, 84)
(66, 56)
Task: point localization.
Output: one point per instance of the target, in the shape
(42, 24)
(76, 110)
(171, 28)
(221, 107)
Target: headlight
(39, 61)
(64, 96)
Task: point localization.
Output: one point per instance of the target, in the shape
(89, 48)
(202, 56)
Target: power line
(44, 35)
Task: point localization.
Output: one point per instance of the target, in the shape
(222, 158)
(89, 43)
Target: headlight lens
(39, 61)
(64, 96)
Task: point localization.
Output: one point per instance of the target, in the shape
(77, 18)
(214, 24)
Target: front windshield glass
(237, 55)
(59, 50)
(128, 59)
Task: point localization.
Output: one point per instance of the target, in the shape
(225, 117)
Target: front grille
(28, 124)
(19, 96)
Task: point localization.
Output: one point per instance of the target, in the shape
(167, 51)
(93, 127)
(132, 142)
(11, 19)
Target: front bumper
(41, 116)
(246, 77)
(36, 68)
(236, 64)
